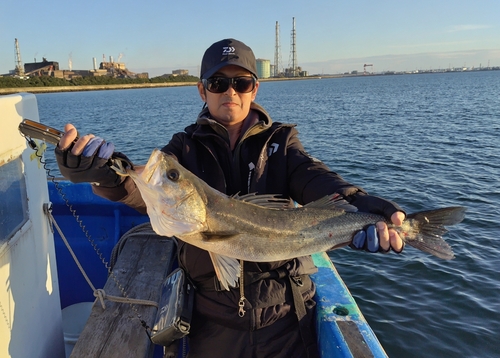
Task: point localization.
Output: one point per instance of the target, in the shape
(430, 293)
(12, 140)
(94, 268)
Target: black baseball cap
(227, 52)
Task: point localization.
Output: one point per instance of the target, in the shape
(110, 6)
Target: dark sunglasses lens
(221, 84)
(217, 84)
(243, 84)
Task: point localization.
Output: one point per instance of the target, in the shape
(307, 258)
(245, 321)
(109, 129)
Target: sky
(332, 36)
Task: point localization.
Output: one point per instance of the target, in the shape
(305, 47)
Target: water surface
(424, 141)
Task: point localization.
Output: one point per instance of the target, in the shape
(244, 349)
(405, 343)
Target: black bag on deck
(175, 309)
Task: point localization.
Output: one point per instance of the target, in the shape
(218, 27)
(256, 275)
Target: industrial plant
(264, 67)
(118, 69)
(51, 68)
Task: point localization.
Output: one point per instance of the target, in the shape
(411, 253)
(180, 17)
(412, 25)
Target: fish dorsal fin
(270, 201)
(333, 201)
(227, 270)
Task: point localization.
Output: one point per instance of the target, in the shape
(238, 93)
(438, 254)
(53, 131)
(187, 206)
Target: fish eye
(173, 174)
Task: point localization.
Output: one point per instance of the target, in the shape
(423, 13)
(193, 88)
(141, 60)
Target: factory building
(40, 67)
(263, 68)
(180, 72)
(51, 68)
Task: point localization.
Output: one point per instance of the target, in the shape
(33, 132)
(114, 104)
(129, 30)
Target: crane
(19, 63)
(365, 66)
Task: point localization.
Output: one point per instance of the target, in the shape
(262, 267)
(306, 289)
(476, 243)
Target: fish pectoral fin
(218, 236)
(227, 270)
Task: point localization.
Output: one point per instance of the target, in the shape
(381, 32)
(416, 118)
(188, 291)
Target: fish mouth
(153, 171)
(150, 173)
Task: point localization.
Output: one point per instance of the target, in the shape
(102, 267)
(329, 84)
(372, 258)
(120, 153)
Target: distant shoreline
(92, 87)
(52, 89)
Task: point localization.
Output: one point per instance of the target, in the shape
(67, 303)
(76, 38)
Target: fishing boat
(65, 253)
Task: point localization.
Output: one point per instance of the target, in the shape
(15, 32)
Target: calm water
(424, 141)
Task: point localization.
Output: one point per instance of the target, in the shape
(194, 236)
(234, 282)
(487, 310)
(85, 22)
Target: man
(236, 148)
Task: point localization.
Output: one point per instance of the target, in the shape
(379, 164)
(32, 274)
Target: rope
(100, 294)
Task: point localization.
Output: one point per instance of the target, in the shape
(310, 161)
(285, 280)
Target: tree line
(47, 81)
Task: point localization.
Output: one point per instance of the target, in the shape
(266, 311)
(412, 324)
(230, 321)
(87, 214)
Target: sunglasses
(243, 84)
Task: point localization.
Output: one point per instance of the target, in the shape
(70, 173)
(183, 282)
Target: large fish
(258, 228)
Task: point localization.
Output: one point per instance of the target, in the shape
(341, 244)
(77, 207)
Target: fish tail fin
(429, 228)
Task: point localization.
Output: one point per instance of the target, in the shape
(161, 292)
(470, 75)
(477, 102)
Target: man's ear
(254, 92)
(202, 92)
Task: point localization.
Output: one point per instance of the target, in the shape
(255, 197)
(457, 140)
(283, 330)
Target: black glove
(92, 166)
(373, 204)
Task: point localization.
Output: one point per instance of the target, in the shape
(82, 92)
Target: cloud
(459, 28)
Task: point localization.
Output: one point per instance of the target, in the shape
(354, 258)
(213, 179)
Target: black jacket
(268, 159)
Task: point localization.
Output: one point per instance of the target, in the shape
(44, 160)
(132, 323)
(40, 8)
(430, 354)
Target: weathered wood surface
(117, 331)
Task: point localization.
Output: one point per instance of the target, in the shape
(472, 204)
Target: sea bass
(257, 227)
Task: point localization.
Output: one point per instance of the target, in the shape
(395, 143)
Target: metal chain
(98, 293)
(5, 316)
(92, 242)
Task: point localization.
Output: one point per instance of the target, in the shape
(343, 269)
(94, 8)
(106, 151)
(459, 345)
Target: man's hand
(87, 159)
(389, 238)
(378, 238)
(70, 134)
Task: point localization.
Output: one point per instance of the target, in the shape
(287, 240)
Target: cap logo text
(227, 50)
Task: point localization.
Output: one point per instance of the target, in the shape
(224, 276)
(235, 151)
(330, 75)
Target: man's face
(229, 107)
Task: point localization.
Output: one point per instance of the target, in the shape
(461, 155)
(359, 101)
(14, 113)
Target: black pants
(280, 340)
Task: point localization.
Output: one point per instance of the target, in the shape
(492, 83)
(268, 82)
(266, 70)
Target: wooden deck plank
(116, 331)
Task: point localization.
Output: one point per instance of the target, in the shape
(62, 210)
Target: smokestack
(277, 53)
(95, 64)
(293, 50)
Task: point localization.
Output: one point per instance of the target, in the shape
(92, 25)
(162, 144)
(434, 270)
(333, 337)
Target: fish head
(175, 204)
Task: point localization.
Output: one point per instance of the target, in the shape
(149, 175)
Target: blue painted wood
(332, 295)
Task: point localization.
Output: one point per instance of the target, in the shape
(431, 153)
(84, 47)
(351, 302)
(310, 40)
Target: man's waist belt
(213, 284)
